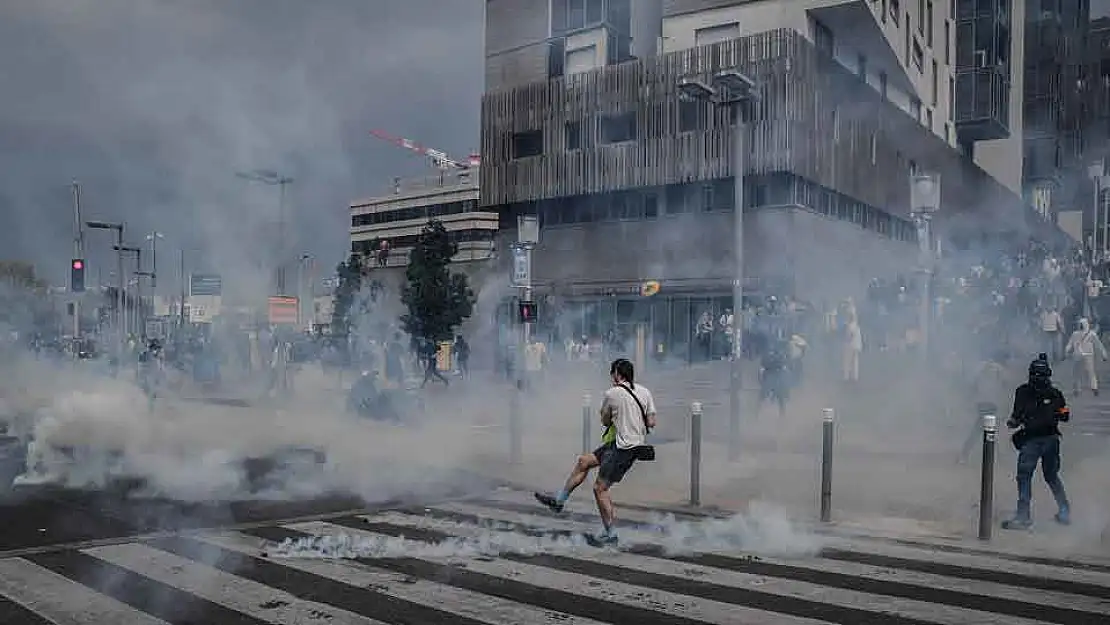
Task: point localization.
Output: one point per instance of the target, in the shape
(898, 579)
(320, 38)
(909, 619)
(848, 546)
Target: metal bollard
(828, 426)
(695, 453)
(586, 438)
(986, 488)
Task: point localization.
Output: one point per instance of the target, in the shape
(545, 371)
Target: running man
(628, 413)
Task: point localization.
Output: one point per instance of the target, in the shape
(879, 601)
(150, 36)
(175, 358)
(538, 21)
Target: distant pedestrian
(1083, 346)
(431, 363)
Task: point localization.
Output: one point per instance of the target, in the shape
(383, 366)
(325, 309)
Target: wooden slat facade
(812, 118)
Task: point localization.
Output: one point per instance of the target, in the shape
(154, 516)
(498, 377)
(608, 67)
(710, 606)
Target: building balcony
(982, 104)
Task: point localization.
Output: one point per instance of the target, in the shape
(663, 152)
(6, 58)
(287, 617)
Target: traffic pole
(695, 454)
(514, 422)
(586, 438)
(986, 488)
(828, 432)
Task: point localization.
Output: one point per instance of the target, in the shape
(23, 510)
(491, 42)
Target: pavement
(497, 557)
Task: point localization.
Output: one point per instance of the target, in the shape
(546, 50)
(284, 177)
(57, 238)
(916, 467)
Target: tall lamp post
(733, 89)
(153, 238)
(120, 280)
(137, 320)
(924, 203)
(1097, 173)
(528, 236)
(301, 315)
(273, 178)
(78, 254)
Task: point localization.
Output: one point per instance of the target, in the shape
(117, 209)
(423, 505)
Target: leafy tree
(350, 282)
(438, 300)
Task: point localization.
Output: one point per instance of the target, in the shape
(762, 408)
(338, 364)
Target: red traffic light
(78, 264)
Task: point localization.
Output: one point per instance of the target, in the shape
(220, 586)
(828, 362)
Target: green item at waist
(609, 435)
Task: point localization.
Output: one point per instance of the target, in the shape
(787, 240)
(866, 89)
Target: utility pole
(184, 286)
(78, 252)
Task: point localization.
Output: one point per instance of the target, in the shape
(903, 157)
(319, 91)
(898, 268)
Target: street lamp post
(304, 258)
(138, 320)
(733, 89)
(924, 203)
(1097, 173)
(272, 178)
(153, 238)
(78, 252)
(120, 281)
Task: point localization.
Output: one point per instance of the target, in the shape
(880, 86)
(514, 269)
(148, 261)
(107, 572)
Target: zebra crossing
(503, 560)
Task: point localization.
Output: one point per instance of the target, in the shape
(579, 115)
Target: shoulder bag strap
(643, 412)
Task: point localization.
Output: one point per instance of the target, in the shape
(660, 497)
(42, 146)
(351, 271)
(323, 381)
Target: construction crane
(438, 158)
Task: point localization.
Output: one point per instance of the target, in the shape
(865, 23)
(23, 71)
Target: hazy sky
(154, 104)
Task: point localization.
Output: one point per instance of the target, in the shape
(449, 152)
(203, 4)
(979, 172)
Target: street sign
(522, 268)
(205, 284)
(283, 310)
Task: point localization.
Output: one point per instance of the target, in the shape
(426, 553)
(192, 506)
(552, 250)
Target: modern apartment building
(1055, 46)
(384, 228)
(583, 125)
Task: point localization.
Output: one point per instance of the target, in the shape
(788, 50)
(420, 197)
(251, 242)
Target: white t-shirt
(627, 419)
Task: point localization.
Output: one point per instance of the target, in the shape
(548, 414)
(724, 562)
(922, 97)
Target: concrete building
(583, 125)
(384, 228)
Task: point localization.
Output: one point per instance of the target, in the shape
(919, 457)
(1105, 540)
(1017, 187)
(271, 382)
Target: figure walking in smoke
(431, 363)
(1082, 345)
(151, 370)
(775, 378)
(1039, 408)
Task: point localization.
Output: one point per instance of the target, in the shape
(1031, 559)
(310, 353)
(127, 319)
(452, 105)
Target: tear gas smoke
(764, 530)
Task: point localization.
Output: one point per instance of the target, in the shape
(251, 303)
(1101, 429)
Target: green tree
(350, 282)
(438, 301)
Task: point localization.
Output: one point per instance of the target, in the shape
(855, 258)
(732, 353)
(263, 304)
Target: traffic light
(527, 311)
(77, 275)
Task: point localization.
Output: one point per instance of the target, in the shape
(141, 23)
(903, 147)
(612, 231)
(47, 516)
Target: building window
(716, 34)
(593, 12)
(947, 42)
(689, 115)
(574, 136)
(913, 167)
(935, 83)
(861, 67)
(882, 84)
(576, 14)
(921, 16)
(915, 108)
(929, 23)
(651, 206)
(895, 10)
(918, 57)
(951, 97)
(874, 148)
(834, 121)
(556, 57)
(618, 128)
(823, 38)
(929, 118)
(527, 144)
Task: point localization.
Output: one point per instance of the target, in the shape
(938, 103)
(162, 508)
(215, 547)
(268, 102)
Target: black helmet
(1039, 370)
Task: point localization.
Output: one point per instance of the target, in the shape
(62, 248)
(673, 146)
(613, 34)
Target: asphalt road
(502, 560)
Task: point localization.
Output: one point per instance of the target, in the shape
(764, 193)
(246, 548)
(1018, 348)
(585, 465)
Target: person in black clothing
(1039, 408)
(775, 375)
(431, 363)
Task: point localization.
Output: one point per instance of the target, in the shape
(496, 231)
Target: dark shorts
(614, 462)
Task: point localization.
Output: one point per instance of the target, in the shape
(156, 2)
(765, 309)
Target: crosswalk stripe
(468, 514)
(485, 608)
(1011, 571)
(309, 587)
(230, 591)
(592, 595)
(611, 609)
(159, 600)
(35, 596)
(896, 597)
